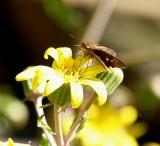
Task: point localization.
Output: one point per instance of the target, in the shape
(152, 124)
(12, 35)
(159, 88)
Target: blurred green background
(131, 27)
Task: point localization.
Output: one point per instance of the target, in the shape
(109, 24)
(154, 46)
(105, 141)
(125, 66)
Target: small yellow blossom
(66, 70)
(108, 127)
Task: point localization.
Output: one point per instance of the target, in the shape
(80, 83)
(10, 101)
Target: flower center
(69, 73)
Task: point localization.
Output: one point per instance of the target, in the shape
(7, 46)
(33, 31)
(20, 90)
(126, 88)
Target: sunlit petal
(53, 84)
(64, 56)
(64, 52)
(76, 94)
(51, 52)
(92, 70)
(27, 74)
(42, 74)
(40, 89)
(99, 87)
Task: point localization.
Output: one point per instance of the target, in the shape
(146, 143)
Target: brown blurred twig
(99, 21)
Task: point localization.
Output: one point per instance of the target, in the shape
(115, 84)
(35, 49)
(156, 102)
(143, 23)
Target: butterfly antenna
(71, 35)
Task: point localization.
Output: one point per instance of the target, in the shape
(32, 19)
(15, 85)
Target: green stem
(73, 130)
(58, 125)
(85, 106)
(40, 112)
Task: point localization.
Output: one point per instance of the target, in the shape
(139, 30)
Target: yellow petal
(53, 84)
(51, 52)
(40, 89)
(68, 63)
(10, 142)
(92, 70)
(99, 87)
(42, 74)
(27, 74)
(81, 60)
(76, 94)
(128, 115)
(64, 52)
(64, 56)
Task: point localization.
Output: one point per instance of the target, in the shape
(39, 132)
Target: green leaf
(44, 142)
(64, 15)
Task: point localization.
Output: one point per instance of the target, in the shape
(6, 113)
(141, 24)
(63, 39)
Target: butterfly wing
(104, 55)
(108, 59)
(104, 49)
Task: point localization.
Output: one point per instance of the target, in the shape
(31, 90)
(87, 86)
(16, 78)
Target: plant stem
(85, 106)
(73, 129)
(40, 112)
(58, 125)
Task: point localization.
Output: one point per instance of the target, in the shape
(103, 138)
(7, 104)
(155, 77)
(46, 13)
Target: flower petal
(99, 87)
(42, 74)
(64, 56)
(51, 52)
(27, 74)
(128, 115)
(64, 52)
(81, 60)
(53, 84)
(76, 94)
(61, 55)
(92, 70)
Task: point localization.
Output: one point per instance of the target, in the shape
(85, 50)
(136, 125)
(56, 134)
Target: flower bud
(112, 79)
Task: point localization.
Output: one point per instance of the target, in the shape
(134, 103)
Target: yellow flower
(108, 127)
(66, 70)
